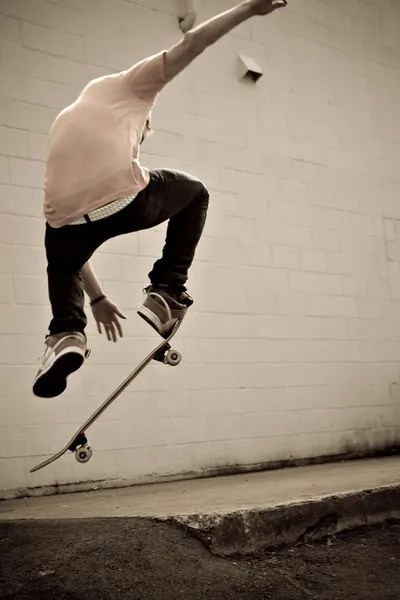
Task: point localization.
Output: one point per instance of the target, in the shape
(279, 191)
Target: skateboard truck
(81, 448)
(168, 356)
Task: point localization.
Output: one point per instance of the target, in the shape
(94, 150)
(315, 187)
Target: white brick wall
(291, 349)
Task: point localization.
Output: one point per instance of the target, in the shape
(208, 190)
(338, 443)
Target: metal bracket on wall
(249, 68)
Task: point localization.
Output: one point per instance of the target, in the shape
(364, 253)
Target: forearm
(91, 284)
(210, 31)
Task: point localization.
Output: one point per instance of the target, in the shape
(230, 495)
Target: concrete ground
(281, 535)
(138, 559)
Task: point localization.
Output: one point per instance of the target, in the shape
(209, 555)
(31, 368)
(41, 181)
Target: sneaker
(162, 308)
(64, 354)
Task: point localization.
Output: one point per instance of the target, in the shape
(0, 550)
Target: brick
(43, 66)
(382, 268)
(395, 290)
(344, 307)
(378, 288)
(66, 71)
(319, 305)
(373, 308)
(36, 207)
(135, 268)
(16, 200)
(24, 260)
(107, 266)
(340, 263)
(11, 408)
(6, 289)
(123, 245)
(29, 173)
(314, 260)
(11, 442)
(151, 242)
(231, 157)
(285, 212)
(22, 115)
(280, 234)
(13, 142)
(390, 229)
(19, 350)
(10, 29)
(26, 11)
(234, 301)
(228, 251)
(292, 191)
(325, 240)
(393, 250)
(14, 474)
(254, 254)
(4, 170)
(225, 203)
(23, 320)
(15, 229)
(291, 304)
(63, 18)
(230, 227)
(17, 59)
(52, 41)
(286, 257)
(37, 91)
(264, 303)
(315, 282)
(37, 143)
(31, 290)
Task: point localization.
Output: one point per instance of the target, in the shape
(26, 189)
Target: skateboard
(79, 443)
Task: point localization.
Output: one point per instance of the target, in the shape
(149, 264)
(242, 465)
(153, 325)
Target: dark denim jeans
(170, 195)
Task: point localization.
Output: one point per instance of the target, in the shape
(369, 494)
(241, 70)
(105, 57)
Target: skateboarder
(96, 189)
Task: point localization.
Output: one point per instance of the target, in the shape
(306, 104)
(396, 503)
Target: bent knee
(203, 191)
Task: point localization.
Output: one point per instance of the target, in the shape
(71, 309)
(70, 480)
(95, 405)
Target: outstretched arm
(197, 40)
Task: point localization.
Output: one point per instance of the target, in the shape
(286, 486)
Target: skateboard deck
(79, 443)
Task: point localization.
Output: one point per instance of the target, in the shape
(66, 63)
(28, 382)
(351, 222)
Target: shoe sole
(154, 321)
(54, 381)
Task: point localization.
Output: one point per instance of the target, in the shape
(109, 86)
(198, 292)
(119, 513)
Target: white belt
(104, 211)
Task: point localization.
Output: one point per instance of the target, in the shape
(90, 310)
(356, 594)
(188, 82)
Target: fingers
(109, 320)
(119, 327)
(113, 329)
(279, 3)
(110, 332)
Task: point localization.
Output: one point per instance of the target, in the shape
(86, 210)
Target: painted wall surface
(292, 347)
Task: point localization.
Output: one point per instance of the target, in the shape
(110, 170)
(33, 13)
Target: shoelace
(46, 346)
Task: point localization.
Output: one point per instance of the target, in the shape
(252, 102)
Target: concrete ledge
(243, 514)
(249, 531)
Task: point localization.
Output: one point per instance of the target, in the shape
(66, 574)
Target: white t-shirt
(94, 143)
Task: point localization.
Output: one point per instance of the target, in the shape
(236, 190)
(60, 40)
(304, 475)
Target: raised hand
(265, 7)
(106, 314)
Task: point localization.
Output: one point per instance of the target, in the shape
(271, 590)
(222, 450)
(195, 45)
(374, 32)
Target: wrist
(96, 299)
(249, 7)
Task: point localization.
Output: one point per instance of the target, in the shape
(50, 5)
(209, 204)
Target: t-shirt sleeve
(147, 78)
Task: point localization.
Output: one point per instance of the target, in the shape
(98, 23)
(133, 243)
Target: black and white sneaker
(64, 353)
(162, 308)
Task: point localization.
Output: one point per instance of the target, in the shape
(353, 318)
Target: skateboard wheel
(84, 453)
(173, 358)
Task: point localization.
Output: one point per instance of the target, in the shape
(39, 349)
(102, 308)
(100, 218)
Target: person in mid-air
(96, 189)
